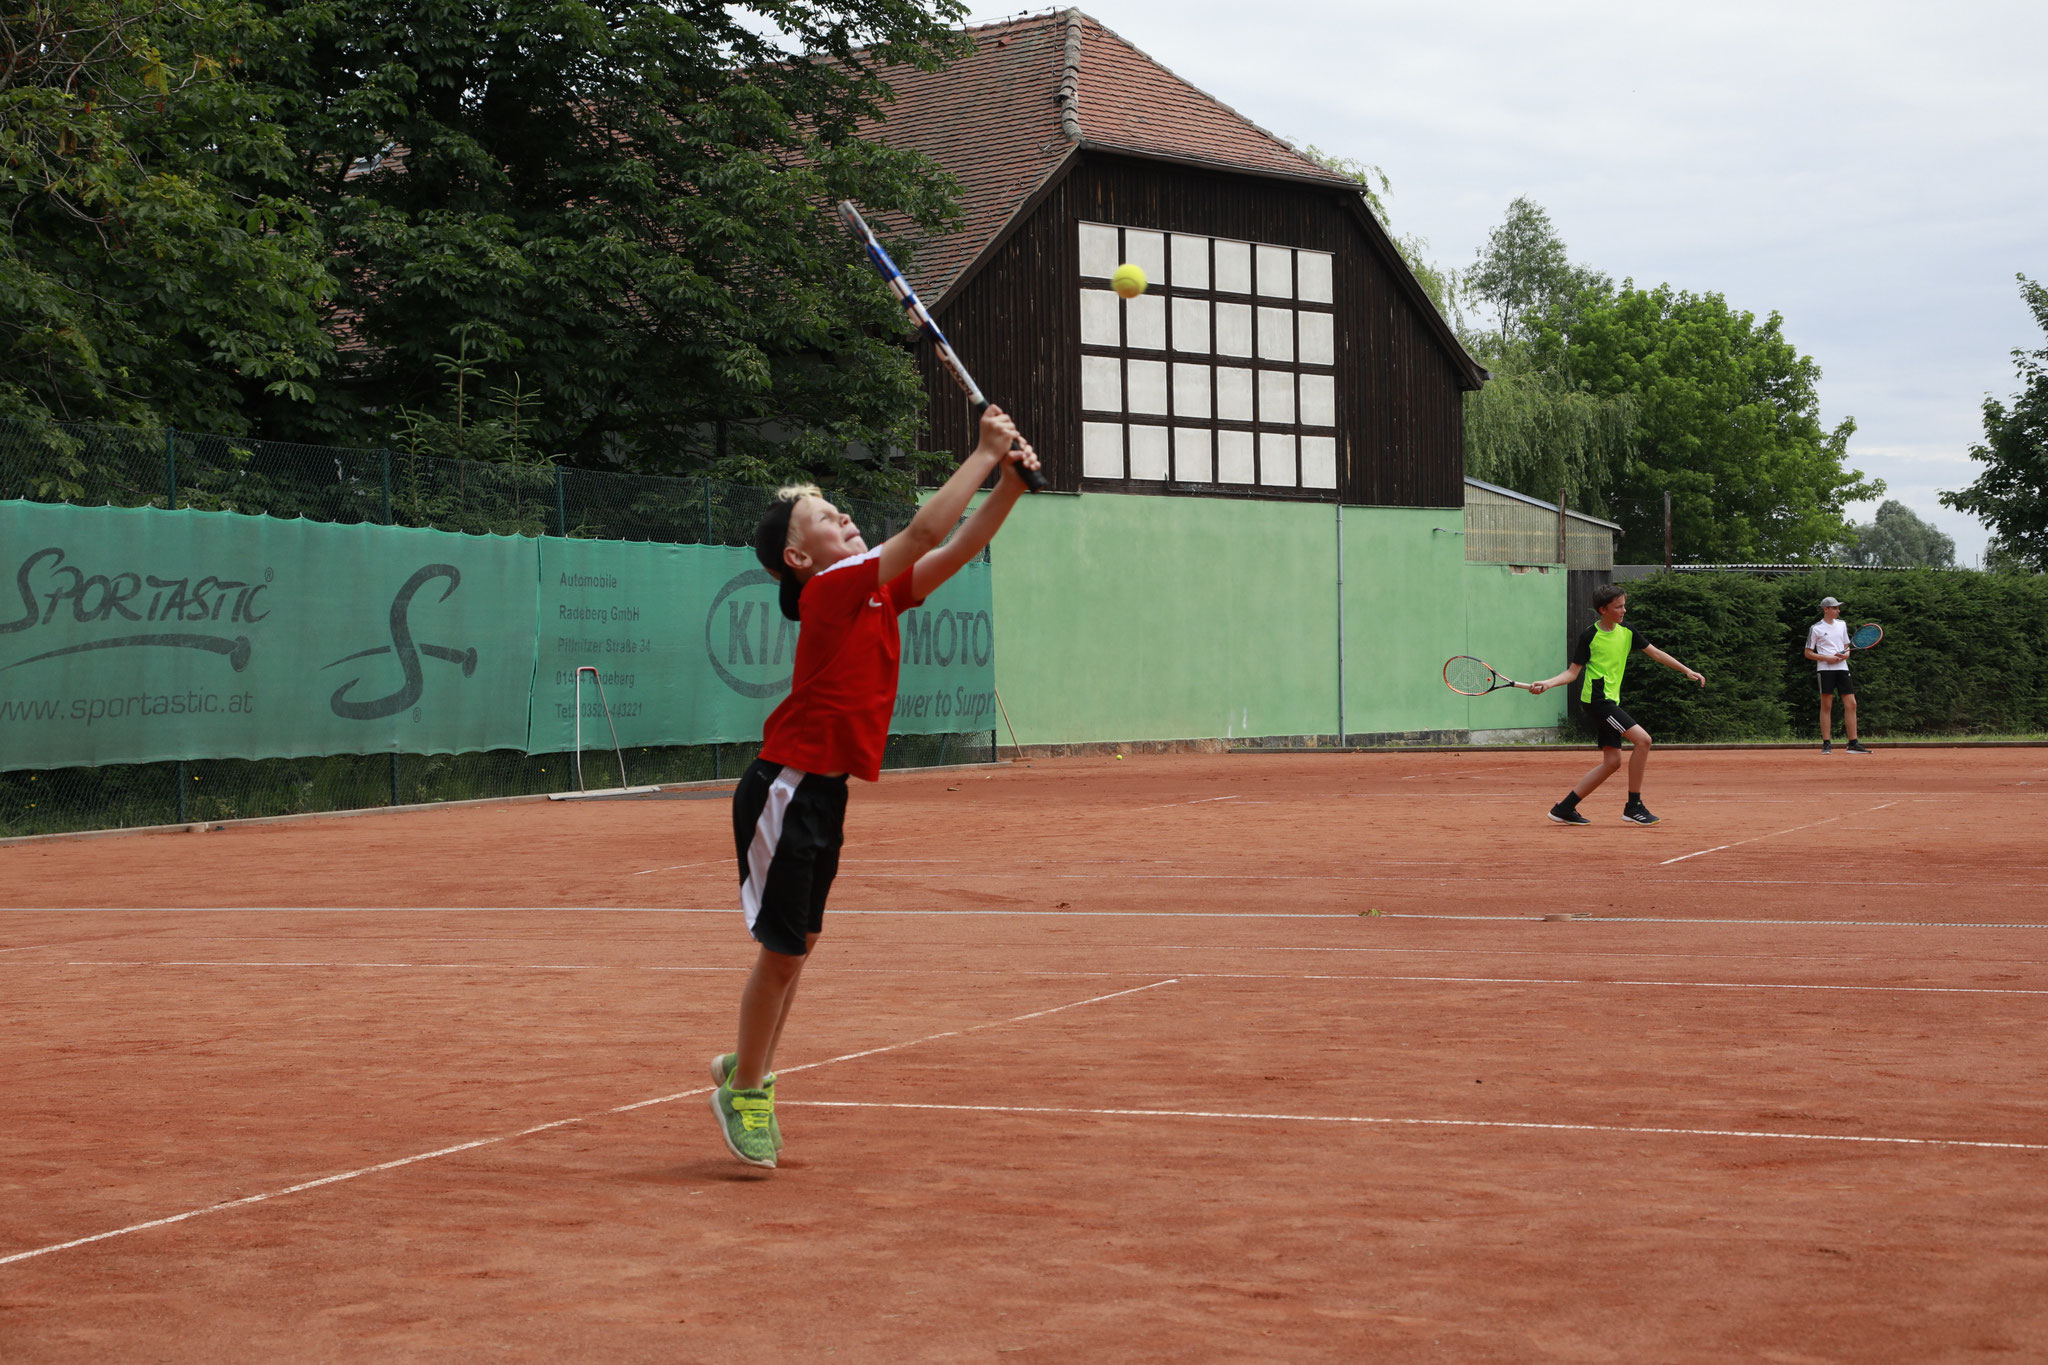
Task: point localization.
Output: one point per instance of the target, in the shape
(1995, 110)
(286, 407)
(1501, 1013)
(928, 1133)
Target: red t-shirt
(836, 716)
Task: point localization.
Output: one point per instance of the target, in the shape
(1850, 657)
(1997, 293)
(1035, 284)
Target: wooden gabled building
(1284, 350)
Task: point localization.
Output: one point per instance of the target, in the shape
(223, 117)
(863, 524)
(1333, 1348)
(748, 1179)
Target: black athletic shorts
(787, 826)
(1607, 723)
(1836, 680)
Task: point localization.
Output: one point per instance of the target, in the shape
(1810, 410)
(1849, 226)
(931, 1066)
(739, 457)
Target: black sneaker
(1568, 817)
(1856, 747)
(1827, 746)
(1638, 815)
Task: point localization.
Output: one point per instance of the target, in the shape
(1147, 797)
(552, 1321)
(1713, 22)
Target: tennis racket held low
(1470, 677)
(921, 318)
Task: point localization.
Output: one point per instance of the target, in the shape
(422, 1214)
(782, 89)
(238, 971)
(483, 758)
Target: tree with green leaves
(1727, 420)
(1897, 538)
(2011, 494)
(150, 272)
(1523, 271)
(1440, 284)
(620, 207)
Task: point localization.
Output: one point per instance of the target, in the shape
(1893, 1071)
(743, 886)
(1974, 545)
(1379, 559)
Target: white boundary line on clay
(1621, 1129)
(1775, 833)
(541, 1128)
(1364, 978)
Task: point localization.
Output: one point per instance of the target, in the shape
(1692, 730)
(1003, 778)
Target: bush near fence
(1964, 653)
(92, 466)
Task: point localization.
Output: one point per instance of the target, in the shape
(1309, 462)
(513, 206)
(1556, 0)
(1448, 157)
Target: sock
(1570, 802)
(1635, 798)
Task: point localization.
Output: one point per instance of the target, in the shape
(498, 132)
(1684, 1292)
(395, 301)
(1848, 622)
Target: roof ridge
(1320, 171)
(1070, 78)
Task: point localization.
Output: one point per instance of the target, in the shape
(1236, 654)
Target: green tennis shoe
(721, 1070)
(743, 1117)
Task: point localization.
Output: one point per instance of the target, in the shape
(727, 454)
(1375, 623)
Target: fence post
(1563, 543)
(561, 506)
(384, 458)
(171, 486)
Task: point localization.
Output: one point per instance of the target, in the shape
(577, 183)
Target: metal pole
(171, 470)
(1340, 625)
(1564, 555)
(1667, 530)
(561, 506)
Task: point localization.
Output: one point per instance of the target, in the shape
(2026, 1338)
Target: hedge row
(1963, 653)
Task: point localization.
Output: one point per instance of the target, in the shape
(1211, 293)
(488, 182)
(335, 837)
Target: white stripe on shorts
(767, 835)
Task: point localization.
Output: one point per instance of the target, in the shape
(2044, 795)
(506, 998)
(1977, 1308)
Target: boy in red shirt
(789, 810)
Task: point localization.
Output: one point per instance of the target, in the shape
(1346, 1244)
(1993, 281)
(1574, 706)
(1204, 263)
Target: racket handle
(1034, 479)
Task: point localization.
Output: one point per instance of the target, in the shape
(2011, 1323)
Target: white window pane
(1148, 452)
(1098, 251)
(1312, 274)
(1099, 318)
(1233, 329)
(1233, 268)
(1147, 391)
(1192, 462)
(1233, 394)
(1190, 262)
(1102, 450)
(1318, 339)
(1318, 400)
(1276, 459)
(1276, 398)
(1190, 390)
(1102, 385)
(1145, 323)
(1191, 325)
(1234, 462)
(1318, 462)
(1147, 251)
(1276, 334)
(1276, 272)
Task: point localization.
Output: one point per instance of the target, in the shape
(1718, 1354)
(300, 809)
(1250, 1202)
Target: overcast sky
(1874, 172)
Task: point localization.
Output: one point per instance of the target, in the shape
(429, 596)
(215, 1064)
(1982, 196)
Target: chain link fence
(90, 465)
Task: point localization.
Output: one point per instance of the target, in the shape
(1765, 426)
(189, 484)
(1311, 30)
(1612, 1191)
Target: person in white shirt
(1827, 644)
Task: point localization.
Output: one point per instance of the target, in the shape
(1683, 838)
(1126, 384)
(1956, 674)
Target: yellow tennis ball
(1129, 281)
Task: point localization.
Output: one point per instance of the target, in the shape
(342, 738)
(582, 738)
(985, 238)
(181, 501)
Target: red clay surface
(1781, 1100)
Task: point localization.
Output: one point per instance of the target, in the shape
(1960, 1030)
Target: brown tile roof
(1005, 118)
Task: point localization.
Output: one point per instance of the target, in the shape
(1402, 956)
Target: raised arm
(928, 529)
(1665, 659)
(967, 542)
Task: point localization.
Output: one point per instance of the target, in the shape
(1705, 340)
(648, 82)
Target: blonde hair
(794, 493)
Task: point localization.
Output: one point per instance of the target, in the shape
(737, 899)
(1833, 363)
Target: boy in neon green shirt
(1600, 654)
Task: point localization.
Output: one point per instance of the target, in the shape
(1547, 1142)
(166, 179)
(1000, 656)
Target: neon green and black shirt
(1603, 655)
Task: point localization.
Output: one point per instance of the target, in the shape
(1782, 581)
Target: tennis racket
(1470, 677)
(1867, 634)
(922, 318)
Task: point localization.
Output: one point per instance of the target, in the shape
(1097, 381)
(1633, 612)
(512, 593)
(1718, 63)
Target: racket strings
(1468, 675)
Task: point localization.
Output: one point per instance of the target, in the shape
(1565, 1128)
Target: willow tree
(1533, 429)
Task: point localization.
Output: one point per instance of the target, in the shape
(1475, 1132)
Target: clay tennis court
(1098, 1059)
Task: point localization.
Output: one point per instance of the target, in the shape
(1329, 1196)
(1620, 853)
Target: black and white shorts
(1836, 680)
(787, 826)
(1608, 723)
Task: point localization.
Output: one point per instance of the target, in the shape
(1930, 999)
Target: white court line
(1198, 801)
(1774, 834)
(1283, 1117)
(539, 1128)
(1361, 977)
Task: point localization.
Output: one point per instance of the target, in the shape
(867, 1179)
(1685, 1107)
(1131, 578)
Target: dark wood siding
(1016, 324)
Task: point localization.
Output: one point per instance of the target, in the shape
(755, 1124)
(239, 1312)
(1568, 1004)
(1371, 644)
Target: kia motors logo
(751, 644)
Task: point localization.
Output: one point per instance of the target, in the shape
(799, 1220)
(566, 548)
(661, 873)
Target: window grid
(1160, 419)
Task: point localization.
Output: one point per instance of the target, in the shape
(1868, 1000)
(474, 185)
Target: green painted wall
(1123, 618)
